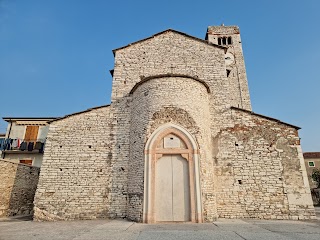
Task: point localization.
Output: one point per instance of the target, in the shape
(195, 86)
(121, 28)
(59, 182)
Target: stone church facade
(178, 142)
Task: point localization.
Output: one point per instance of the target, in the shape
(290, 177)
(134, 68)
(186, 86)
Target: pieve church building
(179, 142)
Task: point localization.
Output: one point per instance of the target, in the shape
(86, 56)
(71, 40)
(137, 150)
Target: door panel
(181, 189)
(172, 191)
(163, 203)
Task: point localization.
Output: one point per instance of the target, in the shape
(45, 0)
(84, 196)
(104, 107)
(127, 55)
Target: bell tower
(229, 36)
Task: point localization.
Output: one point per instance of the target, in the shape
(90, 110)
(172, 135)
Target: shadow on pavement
(17, 218)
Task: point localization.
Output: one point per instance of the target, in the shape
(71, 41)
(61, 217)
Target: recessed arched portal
(172, 179)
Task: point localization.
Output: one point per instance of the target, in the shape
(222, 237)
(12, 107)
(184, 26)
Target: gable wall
(174, 54)
(75, 176)
(170, 53)
(259, 172)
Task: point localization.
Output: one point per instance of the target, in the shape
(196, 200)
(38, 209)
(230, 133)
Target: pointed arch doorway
(172, 180)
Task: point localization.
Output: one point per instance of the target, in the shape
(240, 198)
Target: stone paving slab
(188, 235)
(125, 230)
(302, 236)
(312, 227)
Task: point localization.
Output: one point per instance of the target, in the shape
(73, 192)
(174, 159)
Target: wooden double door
(172, 189)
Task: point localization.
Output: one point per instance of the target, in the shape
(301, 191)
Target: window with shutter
(31, 133)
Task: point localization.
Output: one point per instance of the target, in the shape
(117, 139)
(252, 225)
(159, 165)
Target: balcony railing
(18, 145)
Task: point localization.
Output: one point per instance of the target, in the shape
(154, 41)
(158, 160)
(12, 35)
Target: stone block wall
(18, 183)
(237, 78)
(119, 155)
(169, 53)
(174, 53)
(75, 177)
(176, 100)
(259, 170)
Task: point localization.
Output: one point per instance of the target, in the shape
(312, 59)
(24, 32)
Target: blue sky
(55, 55)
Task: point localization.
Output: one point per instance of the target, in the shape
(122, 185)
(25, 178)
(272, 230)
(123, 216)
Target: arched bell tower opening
(172, 181)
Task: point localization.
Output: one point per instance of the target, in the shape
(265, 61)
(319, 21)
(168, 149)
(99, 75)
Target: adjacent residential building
(312, 162)
(25, 139)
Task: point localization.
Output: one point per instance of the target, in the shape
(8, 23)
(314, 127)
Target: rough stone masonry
(18, 183)
(179, 96)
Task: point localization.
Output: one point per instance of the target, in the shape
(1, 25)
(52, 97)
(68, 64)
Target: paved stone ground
(23, 228)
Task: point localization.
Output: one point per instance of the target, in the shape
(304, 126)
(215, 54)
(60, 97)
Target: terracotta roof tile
(311, 155)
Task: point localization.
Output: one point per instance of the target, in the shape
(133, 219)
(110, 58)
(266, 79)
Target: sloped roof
(266, 117)
(174, 31)
(76, 113)
(12, 119)
(311, 155)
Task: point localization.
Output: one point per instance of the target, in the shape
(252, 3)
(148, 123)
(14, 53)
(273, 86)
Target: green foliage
(316, 176)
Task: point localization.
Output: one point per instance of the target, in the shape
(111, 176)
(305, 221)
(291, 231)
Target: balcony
(12, 145)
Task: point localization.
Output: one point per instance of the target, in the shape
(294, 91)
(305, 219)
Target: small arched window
(219, 41)
(229, 41)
